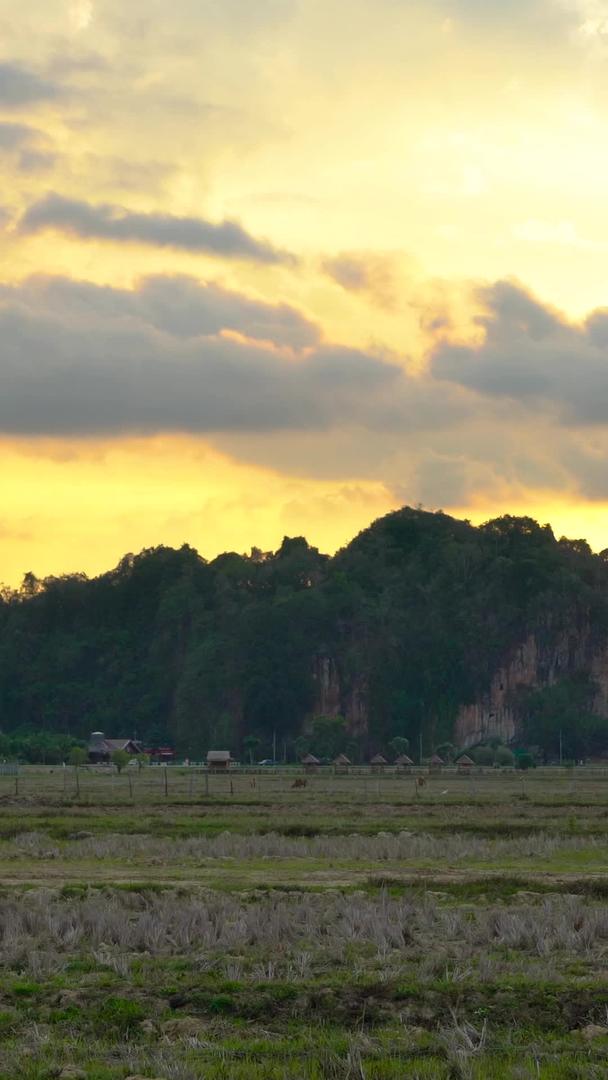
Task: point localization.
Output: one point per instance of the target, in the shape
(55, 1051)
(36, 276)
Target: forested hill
(397, 632)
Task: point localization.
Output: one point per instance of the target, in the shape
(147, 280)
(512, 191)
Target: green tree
(410, 621)
(77, 757)
(251, 743)
(565, 711)
(399, 745)
(524, 760)
(301, 746)
(504, 757)
(329, 735)
(483, 755)
(120, 759)
(446, 751)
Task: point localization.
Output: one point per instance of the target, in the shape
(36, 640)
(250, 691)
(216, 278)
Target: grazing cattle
(299, 783)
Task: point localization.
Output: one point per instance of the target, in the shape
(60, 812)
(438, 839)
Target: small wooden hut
(219, 760)
(378, 763)
(436, 765)
(404, 764)
(465, 764)
(342, 764)
(310, 763)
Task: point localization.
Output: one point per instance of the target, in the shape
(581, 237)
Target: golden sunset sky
(279, 267)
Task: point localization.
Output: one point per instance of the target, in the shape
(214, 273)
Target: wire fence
(247, 784)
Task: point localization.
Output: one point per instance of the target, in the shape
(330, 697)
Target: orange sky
(286, 266)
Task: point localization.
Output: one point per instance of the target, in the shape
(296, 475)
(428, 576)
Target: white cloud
(80, 15)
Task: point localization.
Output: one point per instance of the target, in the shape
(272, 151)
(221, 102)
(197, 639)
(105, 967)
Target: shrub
(504, 756)
(524, 760)
(483, 755)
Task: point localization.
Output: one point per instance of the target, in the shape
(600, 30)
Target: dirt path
(330, 879)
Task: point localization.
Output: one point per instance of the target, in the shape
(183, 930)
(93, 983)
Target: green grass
(475, 961)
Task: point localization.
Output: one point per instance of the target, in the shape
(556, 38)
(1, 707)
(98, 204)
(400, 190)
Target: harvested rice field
(361, 927)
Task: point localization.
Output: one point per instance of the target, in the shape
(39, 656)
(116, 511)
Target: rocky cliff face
(337, 696)
(533, 664)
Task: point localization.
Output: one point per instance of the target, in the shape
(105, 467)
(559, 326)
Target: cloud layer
(76, 359)
(533, 356)
(527, 407)
(75, 217)
(20, 86)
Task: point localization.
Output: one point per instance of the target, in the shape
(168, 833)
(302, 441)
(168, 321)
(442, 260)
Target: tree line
(415, 614)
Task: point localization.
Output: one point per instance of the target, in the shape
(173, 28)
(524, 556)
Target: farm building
(465, 764)
(100, 749)
(436, 764)
(378, 763)
(160, 755)
(342, 764)
(219, 760)
(404, 763)
(310, 763)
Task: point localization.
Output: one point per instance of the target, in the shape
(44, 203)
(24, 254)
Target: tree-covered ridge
(415, 615)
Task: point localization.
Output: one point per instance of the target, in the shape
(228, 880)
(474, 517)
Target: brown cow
(299, 783)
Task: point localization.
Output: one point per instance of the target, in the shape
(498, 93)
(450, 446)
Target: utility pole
(420, 748)
(274, 746)
(560, 749)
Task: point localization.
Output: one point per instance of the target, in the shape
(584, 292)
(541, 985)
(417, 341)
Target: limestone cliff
(540, 660)
(533, 664)
(337, 695)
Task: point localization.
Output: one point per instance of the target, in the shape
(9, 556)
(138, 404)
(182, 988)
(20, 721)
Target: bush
(504, 757)
(483, 755)
(524, 760)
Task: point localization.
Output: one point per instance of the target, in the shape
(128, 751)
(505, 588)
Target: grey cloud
(19, 86)
(108, 222)
(445, 480)
(517, 16)
(348, 271)
(364, 272)
(175, 354)
(590, 465)
(511, 309)
(80, 360)
(597, 328)
(36, 161)
(17, 136)
(73, 61)
(533, 356)
(183, 307)
(178, 305)
(27, 146)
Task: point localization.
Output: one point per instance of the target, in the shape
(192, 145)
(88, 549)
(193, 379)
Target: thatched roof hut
(310, 763)
(404, 763)
(342, 763)
(465, 763)
(378, 763)
(436, 763)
